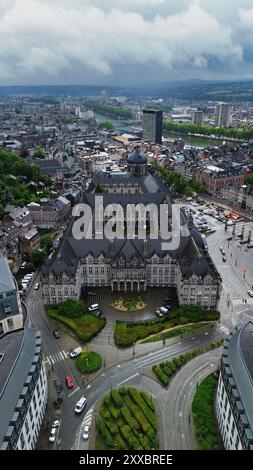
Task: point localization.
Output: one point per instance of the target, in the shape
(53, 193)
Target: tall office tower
(223, 115)
(198, 118)
(152, 126)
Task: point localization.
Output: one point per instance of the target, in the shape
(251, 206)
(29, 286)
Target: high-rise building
(234, 400)
(152, 126)
(198, 118)
(223, 115)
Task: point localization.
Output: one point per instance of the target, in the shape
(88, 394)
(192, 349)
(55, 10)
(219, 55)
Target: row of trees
(179, 182)
(186, 128)
(106, 109)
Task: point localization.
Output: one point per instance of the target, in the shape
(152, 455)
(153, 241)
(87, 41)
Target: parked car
(93, 307)
(224, 259)
(56, 424)
(52, 436)
(158, 313)
(80, 405)
(69, 382)
(99, 313)
(92, 293)
(37, 285)
(86, 432)
(75, 352)
(250, 293)
(229, 239)
(56, 333)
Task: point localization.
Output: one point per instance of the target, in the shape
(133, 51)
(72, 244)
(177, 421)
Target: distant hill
(193, 89)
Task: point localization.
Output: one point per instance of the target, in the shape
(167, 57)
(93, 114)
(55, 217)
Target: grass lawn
(127, 421)
(175, 332)
(85, 327)
(88, 362)
(206, 427)
(126, 334)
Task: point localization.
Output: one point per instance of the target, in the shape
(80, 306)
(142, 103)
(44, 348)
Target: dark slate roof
(239, 352)
(19, 350)
(150, 183)
(6, 279)
(137, 157)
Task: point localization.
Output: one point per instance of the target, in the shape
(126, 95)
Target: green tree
(71, 308)
(46, 242)
(106, 125)
(38, 257)
(39, 152)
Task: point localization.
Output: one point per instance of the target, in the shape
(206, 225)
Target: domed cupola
(137, 162)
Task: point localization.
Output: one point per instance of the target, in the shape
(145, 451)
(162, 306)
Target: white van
(93, 307)
(75, 352)
(80, 405)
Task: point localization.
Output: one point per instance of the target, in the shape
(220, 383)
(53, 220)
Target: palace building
(133, 264)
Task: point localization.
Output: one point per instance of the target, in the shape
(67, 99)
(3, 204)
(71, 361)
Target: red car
(69, 382)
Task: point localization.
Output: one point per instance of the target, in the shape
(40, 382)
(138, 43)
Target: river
(126, 125)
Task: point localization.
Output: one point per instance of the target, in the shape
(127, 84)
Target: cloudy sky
(124, 41)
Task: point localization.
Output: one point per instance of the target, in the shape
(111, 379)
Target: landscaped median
(88, 361)
(165, 371)
(206, 427)
(127, 334)
(127, 421)
(73, 315)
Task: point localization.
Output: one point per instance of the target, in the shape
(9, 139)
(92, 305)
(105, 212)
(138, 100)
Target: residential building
(23, 389)
(198, 118)
(11, 315)
(50, 213)
(234, 400)
(152, 126)
(223, 115)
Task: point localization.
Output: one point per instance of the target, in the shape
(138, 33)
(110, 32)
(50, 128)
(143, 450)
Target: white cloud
(38, 36)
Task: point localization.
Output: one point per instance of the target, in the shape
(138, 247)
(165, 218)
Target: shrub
(105, 434)
(117, 398)
(130, 420)
(104, 413)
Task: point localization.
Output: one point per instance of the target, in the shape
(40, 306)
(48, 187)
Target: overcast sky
(124, 41)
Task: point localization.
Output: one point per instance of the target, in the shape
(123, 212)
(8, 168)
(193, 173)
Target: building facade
(152, 126)
(23, 389)
(234, 400)
(133, 264)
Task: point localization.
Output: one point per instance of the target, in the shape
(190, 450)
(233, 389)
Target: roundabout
(128, 304)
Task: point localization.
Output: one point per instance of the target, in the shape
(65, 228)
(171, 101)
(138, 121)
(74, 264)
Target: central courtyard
(152, 299)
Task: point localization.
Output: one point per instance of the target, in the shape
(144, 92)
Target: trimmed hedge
(126, 334)
(129, 421)
(206, 427)
(166, 370)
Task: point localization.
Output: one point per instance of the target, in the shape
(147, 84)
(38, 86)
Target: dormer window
(135, 263)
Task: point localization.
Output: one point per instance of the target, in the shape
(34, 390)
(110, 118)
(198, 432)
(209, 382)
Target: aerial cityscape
(126, 227)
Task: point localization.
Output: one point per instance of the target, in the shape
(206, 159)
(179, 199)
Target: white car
(80, 405)
(86, 432)
(75, 352)
(37, 285)
(250, 293)
(93, 307)
(52, 436)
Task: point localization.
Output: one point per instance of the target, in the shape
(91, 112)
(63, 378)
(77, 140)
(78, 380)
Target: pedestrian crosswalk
(224, 329)
(242, 301)
(56, 357)
(88, 418)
